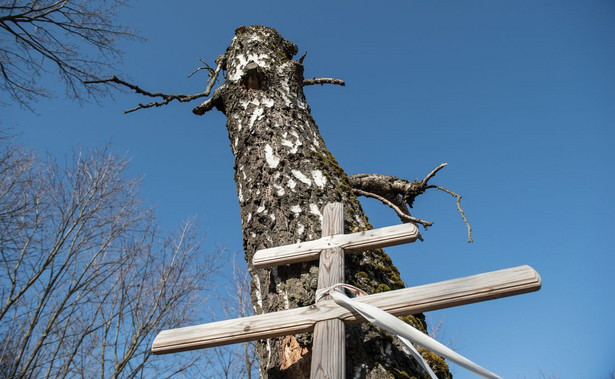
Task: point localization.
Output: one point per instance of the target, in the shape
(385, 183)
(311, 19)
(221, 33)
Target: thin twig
(463, 216)
(397, 210)
(321, 81)
(433, 173)
(205, 67)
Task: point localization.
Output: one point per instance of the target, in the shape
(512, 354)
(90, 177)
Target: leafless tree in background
(76, 39)
(238, 360)
(86, 279)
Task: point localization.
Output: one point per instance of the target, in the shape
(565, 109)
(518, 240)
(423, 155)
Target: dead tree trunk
(285, 175)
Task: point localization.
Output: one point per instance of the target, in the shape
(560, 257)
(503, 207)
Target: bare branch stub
(321, 81)
(399, 194)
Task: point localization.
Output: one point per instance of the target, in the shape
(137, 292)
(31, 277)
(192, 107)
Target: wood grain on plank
(428, 297)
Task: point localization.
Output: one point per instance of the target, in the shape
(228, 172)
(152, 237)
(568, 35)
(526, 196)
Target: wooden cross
(325, 318)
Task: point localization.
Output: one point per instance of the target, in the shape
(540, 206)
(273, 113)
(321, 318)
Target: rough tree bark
(285, 175)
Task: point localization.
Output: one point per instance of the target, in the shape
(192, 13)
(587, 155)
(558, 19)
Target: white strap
(394, 325)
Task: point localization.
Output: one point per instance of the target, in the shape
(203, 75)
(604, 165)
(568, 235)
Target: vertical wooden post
(329, 344)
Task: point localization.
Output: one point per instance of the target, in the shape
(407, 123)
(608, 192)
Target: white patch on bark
(316, 142)
(315, 211)
(259, 297)
(300, 229)
(260, 209)
(255, 102)
(291, 183)
(302, 178)
(259, 59)
(249, 218)
(296, 209)
(294, 146)
(244, 104)
(319, 179)
(272, 217)
(287, 143)
(284, 84)
(272, 160)
(268, 353)
(280, 190)
(257, 114)
(268, 103)
(240, 194)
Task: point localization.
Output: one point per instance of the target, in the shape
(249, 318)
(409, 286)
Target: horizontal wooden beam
(350, 243)
(428, 297)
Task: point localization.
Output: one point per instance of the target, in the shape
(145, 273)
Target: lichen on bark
(285, 176)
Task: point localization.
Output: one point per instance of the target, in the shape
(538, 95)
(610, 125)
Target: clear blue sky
(518, 98)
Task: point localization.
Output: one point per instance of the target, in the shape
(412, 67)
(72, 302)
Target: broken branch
(399, 194)
(321, 81)
(205, 106)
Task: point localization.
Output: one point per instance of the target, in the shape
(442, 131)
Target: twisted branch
(166, 98)
(399, 194)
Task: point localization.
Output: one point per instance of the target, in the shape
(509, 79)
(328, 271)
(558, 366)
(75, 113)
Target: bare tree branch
(321, 81)
(45, 36)
(166, 98)
(397, 210)
(399, 194)
(432, 174)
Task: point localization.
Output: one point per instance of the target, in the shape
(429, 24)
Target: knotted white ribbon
(406, 332)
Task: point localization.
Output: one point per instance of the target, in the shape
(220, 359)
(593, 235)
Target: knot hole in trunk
(254, 77)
